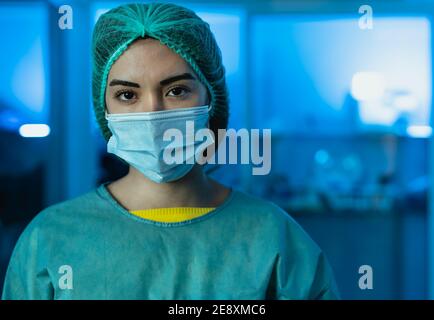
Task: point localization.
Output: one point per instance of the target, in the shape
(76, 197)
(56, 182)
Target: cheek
(201, 99)
(207, 97)
(107, 101)
(111, 103)
(203, 96)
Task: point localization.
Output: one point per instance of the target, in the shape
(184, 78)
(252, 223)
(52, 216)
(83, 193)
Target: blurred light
(367, 86)
(376, 113)
(322, 157)
(226, 29)
(406, 102)
(34, 130)
(419, 131)
(28, 82)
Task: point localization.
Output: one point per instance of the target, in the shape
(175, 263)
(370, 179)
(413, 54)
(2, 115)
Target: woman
(165, 230)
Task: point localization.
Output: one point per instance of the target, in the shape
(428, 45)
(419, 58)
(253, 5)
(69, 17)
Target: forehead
(149, 58)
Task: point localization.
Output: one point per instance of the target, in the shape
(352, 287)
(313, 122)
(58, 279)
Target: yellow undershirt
(177, 214)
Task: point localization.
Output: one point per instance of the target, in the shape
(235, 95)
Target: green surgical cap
(178, 28)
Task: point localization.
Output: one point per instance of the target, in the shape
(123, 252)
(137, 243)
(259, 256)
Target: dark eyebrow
(116, 82)
(184, 76)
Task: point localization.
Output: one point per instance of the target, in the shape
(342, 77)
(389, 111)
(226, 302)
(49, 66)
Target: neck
(195, 189)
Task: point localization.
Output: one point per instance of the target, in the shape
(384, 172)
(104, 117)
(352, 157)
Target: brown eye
(125, 95)
(178, 92)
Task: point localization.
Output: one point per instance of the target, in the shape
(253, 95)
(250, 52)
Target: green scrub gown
(90, 247)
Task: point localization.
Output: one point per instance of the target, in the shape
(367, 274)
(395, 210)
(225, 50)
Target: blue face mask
(141, 139)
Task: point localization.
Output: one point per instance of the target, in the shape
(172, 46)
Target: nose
(151, 102)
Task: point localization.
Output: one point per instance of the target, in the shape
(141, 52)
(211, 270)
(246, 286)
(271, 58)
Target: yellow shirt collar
(177, 214)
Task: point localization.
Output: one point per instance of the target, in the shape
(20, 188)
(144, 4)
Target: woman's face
(149, 76)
